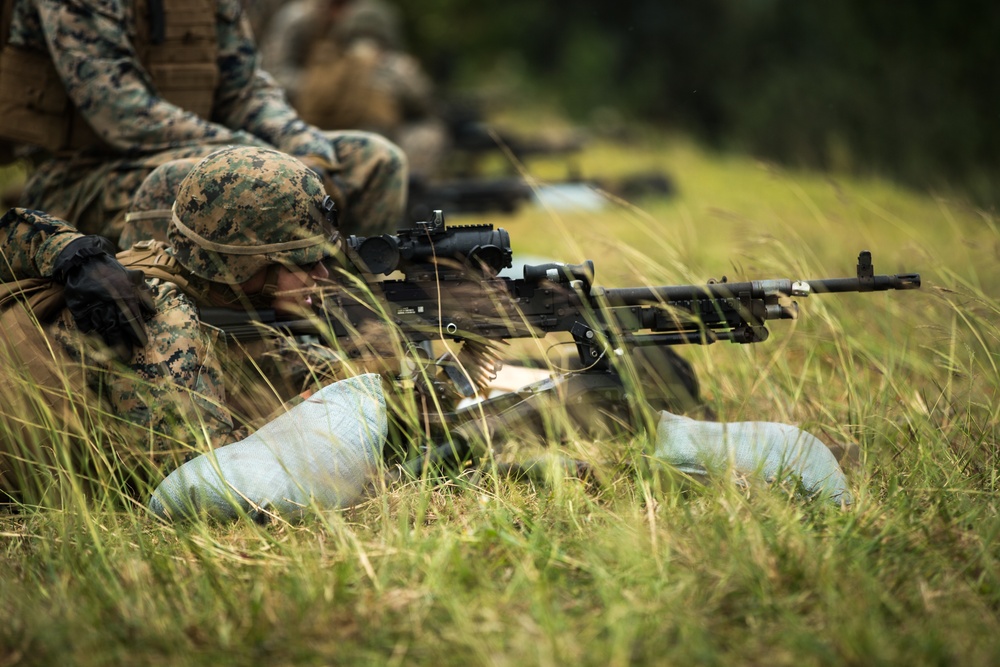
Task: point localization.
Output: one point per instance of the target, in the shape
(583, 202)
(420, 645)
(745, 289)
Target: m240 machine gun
(443, 283)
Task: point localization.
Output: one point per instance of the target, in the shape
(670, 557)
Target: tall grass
(633, 568)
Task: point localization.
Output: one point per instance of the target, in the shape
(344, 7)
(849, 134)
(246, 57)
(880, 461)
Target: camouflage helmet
(243, 208)
(370, 19)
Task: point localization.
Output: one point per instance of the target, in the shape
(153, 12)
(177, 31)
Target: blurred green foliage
(904, 90)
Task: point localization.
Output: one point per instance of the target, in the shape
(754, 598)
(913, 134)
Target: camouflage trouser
(95, 195)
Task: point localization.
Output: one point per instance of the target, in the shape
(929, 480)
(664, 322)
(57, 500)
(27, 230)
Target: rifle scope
(478, 247)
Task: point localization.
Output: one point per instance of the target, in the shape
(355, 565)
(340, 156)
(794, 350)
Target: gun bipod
(592, 404)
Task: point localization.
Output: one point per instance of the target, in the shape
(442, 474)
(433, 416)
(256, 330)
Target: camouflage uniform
(260, 13)
(187, 389)
(287, 40)
(352, 72)
(176, 380)
(292, 32)
(92, 45)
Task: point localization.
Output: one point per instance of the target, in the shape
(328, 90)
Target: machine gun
(549, 298)
(506, 194)
(470, 134)
(467, 187)
(451, 290)
(469, 183)
(466, 196)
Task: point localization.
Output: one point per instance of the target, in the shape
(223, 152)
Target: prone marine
(126, 383)
(124, 358)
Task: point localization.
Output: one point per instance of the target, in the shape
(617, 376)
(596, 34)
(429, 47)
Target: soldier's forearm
(30, 242)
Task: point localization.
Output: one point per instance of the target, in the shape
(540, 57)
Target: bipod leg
(593, 403)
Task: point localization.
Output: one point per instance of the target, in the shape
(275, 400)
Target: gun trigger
(582, 333)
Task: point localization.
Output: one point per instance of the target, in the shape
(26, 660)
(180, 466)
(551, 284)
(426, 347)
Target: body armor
(175, 41)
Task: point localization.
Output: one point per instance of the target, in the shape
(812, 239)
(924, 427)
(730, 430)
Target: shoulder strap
(7, 148)
(6, 15)
(152, 258)
(45, 296)
(157, 22)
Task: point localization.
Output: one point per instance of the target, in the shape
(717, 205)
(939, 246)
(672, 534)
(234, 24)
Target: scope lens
(380, 254)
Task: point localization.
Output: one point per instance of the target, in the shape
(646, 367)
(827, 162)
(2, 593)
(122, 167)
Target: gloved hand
(102, 295)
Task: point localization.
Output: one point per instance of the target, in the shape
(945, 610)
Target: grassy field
(638, 569)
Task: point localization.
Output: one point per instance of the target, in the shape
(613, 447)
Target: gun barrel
(631, 296)
(242, 326)
(865, 284)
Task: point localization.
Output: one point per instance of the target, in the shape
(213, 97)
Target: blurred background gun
(467, 196)
(481, 172)
(474, 138)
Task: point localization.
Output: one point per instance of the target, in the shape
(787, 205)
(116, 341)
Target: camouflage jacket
(303, 37)
(91, 45)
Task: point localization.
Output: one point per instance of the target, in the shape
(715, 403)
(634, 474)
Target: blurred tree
(908, 90)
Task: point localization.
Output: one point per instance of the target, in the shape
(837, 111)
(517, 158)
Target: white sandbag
(769, 450)
(321, 453)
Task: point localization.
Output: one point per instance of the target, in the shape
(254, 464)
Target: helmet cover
(244, 208)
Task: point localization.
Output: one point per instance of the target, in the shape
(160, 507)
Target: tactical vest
(176, 43)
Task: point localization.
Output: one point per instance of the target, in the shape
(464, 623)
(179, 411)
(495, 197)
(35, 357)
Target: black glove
(102, 295)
